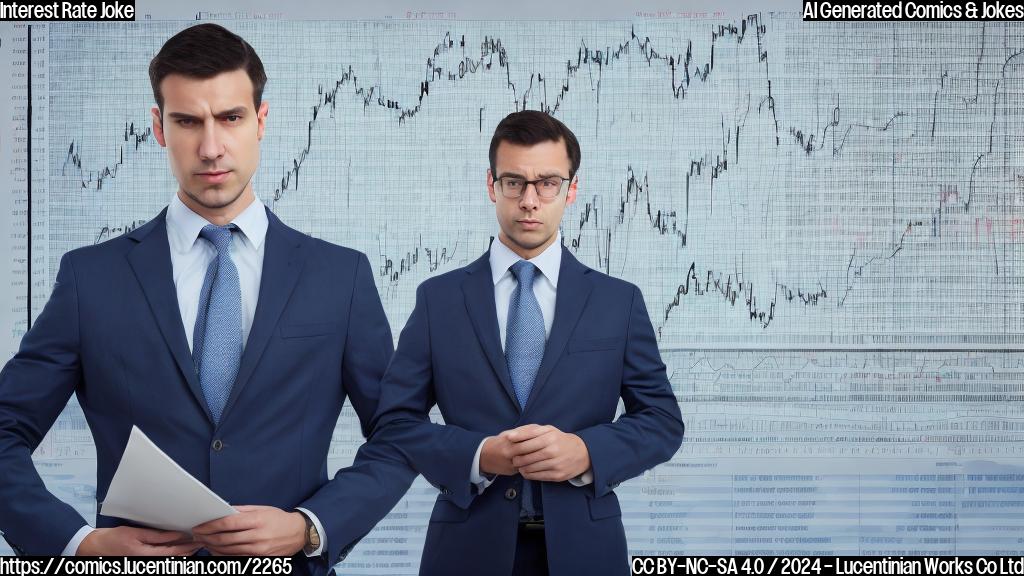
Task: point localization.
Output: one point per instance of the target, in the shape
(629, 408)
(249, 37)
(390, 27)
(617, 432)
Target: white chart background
(825, 221)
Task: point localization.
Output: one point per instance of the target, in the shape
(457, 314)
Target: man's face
(212, 131)
(529, 224)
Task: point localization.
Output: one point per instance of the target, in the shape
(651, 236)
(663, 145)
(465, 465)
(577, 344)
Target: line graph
(824, 221)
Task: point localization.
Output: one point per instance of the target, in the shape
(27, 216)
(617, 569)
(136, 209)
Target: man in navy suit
(527, 352)
(228, 338)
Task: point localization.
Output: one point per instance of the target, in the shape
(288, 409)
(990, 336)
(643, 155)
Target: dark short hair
(204, 51)
(530, 127)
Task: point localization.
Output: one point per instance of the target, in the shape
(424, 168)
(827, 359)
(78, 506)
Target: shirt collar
(549, 261)
(184, 224)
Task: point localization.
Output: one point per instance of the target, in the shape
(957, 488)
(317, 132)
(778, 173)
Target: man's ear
(158, 126)
(490, 186)
(570, 195)
(261, 119)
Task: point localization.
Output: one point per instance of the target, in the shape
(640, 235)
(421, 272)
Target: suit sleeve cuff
(481, 481)
(72, 548)
(319, 530)
(585, 479)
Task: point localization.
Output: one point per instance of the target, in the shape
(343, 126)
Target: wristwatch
(312, 536)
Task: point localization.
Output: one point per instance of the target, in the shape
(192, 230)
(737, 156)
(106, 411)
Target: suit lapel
(571, 298)
(282, 266)
(151, 262)
(478, 290)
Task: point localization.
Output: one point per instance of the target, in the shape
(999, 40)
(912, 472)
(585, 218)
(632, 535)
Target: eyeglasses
(514, 187)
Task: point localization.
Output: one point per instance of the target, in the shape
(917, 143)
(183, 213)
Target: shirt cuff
(319, 530)
(72, 548)
(477, 479)
(584, 479)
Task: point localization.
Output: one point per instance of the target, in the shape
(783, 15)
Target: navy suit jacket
(112, 334)
(601, 348)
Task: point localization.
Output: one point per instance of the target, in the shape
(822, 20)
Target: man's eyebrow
(550, 175)
(236, 111)
(512, 175)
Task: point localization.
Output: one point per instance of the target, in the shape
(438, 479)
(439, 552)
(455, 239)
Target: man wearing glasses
(527, 352)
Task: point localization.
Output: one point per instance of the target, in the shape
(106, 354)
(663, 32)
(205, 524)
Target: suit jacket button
(510, 494)
(217, 445)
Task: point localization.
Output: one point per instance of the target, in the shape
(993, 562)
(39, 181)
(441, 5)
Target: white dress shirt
(190, 257)
(545, 288)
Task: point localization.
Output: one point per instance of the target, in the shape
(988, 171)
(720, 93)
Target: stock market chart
(825, 221)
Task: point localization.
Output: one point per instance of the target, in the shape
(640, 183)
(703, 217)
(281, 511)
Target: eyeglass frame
(566, 182)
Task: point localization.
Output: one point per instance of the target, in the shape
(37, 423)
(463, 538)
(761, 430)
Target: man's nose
(212, 145)
(530, 200)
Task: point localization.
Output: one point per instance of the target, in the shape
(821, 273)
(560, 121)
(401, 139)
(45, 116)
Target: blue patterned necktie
(524, 332)
(217, 339)
(524, 350)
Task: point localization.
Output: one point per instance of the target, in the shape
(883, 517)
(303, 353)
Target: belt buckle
(531, 523)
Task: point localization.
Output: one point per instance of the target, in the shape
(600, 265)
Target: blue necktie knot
(525, 272)
(219, 236)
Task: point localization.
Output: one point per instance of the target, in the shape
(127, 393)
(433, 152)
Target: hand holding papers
(153, 490)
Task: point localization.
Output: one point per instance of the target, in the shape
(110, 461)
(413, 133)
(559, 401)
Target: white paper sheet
(152, 489)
